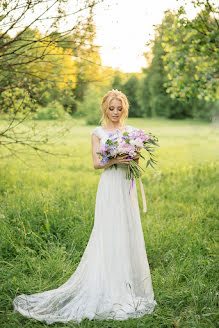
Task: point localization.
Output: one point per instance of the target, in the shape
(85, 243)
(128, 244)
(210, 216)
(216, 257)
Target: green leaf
(148, 162)
(151, 165)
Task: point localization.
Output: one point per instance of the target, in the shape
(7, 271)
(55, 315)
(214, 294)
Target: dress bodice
(103, 135)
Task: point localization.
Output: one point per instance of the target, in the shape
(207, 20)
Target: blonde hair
(110, 95)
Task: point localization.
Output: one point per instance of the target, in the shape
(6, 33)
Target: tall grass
(47, 214)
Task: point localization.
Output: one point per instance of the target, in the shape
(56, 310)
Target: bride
(112, 280)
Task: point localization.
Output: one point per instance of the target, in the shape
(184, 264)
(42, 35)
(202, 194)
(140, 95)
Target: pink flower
(127, 147)
(144, 137)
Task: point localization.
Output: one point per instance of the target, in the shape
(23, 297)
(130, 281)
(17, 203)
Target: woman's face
(115, 110)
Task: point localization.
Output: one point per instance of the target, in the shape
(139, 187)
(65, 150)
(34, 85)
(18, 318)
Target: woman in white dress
(112, 280)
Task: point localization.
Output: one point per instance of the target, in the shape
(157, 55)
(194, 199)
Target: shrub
(53, 111)
(90, 107)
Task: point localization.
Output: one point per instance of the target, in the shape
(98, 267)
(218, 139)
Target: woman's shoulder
(131, 128)
(97, 130)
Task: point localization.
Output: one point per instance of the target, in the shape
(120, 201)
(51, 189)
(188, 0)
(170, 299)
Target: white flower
(132, 142)
(119, 149)
(138, 143)
(114, 152)
(132, 153)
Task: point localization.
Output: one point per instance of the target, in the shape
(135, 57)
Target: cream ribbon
(134, 203)
(143, 196)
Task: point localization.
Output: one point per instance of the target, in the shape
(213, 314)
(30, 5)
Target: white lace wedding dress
(112, 280)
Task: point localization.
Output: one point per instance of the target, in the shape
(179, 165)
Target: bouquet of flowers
(129, 143)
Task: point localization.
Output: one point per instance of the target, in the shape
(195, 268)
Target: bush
(90, 107)
(16, 103)
(53, 111)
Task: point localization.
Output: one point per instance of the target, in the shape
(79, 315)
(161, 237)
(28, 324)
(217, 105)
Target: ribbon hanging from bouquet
(143, 196)
(132, 195)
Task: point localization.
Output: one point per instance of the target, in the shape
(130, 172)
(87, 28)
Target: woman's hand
(122, 159)
(136, 158)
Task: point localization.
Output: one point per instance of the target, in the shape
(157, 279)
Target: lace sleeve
(132, 128)
(96, 132)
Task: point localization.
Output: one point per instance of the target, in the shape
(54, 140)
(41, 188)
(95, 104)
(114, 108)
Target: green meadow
(47, 208)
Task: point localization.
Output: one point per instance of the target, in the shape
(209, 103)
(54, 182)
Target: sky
(125, 26)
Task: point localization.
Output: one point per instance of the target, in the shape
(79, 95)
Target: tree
(144, 97)
(130, 88)
(192, 53)
(117, 80)
(33, 62)
(154, 96)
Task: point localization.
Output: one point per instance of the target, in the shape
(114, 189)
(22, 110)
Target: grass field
(47, 212)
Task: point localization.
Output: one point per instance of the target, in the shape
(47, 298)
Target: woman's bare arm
(95, 141)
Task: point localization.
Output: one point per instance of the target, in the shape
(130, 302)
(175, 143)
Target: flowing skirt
(112, 280)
